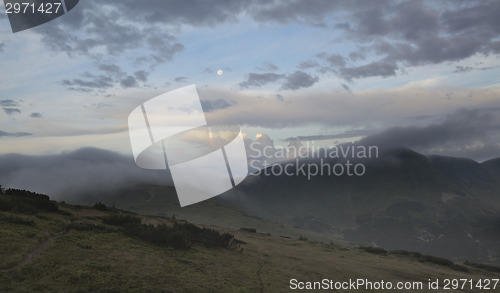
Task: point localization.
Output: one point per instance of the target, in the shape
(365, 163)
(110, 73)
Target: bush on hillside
(121, 220)
(100, 206)
(27, 202)
(180, 236)
(375, 250)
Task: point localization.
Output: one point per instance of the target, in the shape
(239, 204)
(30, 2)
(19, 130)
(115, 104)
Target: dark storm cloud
(411, 34)
(379, 68)
(69, 175)
(192, 12)
(334, 60)
(346, 88)
(299, 79)
(396, 33)
(128, 81)
(94, 26)
(399, 33)
(481, 15)
(92, 82)
(354, 56)
(35, 115)
(2, 45)
(112, 70)
(141, 75)
(11, 111)
(308, 64)
(10, 107)
(313, 11)
(8, 103)
(421, 117)
(99, 106)
(343, 26)
(112, 74)
(456, 134)
(260, 79)
(294, 81)
(268, 67)
(15, 134)
(212, 105)
(463, 69)
(208, 70)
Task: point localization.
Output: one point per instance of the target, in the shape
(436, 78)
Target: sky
(420, 74)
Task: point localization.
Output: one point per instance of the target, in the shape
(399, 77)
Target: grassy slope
(107, 261)
(162, 200)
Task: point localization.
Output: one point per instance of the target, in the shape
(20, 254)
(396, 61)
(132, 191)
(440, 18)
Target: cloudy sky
(423, 74)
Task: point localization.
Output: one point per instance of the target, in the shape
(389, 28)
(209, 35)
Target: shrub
(436, 260)
(442, 261)
(100, 206)
(249, 230)
(6, 205)
(80, 226)
(26, 202)
(178, 240)
(401, 252)
(65, 213)
(375, 250)
(121, 220)
(460, 268)
(180, 236)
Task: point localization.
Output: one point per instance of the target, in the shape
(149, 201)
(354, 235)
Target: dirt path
(34, 253)
(260, 278)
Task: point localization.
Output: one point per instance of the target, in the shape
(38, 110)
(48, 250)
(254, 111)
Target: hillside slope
(72, 249)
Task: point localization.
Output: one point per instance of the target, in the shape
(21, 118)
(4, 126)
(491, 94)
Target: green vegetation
(100, 206)
(83, 249)
(375, 250)
(180, 236)
(82, 226)
(16, 220)
(121, 220)
(443, 262)
(249, 230)
(26, 202)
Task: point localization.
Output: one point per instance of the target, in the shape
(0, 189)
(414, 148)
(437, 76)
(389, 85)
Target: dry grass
(97, 261)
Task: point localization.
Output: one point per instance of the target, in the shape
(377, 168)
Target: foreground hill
(53, 247)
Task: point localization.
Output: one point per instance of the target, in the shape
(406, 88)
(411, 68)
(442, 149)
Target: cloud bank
(68, 176)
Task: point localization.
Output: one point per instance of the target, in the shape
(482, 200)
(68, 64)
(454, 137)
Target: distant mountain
(438, 205)
(493, 166)
(435, 205)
